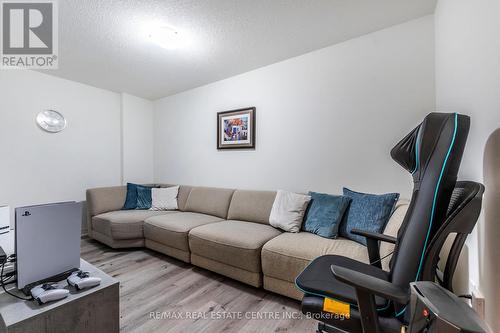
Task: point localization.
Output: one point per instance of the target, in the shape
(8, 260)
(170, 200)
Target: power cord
(10, 258)
(7, 278)
(379, 260)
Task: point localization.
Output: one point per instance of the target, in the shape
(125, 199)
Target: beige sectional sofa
(223, 230)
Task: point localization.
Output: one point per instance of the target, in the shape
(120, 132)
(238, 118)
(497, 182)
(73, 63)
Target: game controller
(48, 292)
(81, 280)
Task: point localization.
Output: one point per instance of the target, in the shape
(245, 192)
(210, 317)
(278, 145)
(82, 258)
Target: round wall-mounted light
(51, 121)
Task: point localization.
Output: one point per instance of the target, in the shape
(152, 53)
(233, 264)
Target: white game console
(82, 280)
(48, 292)
(47, 242)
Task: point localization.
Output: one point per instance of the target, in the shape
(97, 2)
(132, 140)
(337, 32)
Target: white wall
(39, 167)
(468, 81)
(137, 139)
(325, 120)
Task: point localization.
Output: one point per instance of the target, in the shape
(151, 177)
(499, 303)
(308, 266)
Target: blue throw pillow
(131, 199)
(144, 199)
(369, 212)
(325, 213)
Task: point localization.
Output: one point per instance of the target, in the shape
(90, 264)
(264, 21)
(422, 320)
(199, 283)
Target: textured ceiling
(105, 43)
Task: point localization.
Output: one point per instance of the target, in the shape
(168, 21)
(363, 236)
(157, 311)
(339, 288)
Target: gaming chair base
(331, 323)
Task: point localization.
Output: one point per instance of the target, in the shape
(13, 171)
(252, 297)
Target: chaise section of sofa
(107, 223)
(123, 225)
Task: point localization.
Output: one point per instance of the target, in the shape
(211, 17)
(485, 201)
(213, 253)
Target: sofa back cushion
(209, 200)
(105, 199)
(251, 206)
(182, 196)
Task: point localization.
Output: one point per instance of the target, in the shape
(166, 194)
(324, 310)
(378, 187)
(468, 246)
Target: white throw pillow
(288, 210)
(164, 198)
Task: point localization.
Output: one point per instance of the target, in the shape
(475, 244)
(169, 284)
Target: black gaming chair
(439, 206)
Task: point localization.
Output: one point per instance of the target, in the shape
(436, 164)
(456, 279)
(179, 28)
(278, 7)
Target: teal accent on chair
(369, 212)
(434, 205)
(144, 199)
(325, 213)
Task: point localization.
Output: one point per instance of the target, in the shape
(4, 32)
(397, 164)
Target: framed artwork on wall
(236, 129)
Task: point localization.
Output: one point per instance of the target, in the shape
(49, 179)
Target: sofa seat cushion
(236, 243)
(123, 224)
(285, 256)
(173, 229)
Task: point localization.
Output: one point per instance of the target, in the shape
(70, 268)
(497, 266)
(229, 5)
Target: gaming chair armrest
(374, 235)
(370, 285)
(372, 244)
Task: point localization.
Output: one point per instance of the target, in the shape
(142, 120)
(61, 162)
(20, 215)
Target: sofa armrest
(104, 199)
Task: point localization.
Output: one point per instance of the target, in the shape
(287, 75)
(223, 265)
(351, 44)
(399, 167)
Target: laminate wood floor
(162, 294)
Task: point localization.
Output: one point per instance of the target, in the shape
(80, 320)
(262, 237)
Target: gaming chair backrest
(431, 153)
(463, 213)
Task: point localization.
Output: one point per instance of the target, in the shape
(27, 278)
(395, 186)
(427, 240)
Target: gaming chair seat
(378, 299)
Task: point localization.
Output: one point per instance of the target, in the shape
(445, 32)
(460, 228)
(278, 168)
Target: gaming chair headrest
(405, 151)
(414, 150)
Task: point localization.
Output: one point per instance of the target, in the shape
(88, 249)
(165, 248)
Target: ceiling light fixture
(167, 37)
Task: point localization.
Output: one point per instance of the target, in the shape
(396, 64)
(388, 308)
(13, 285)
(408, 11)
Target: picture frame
(236, 129)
